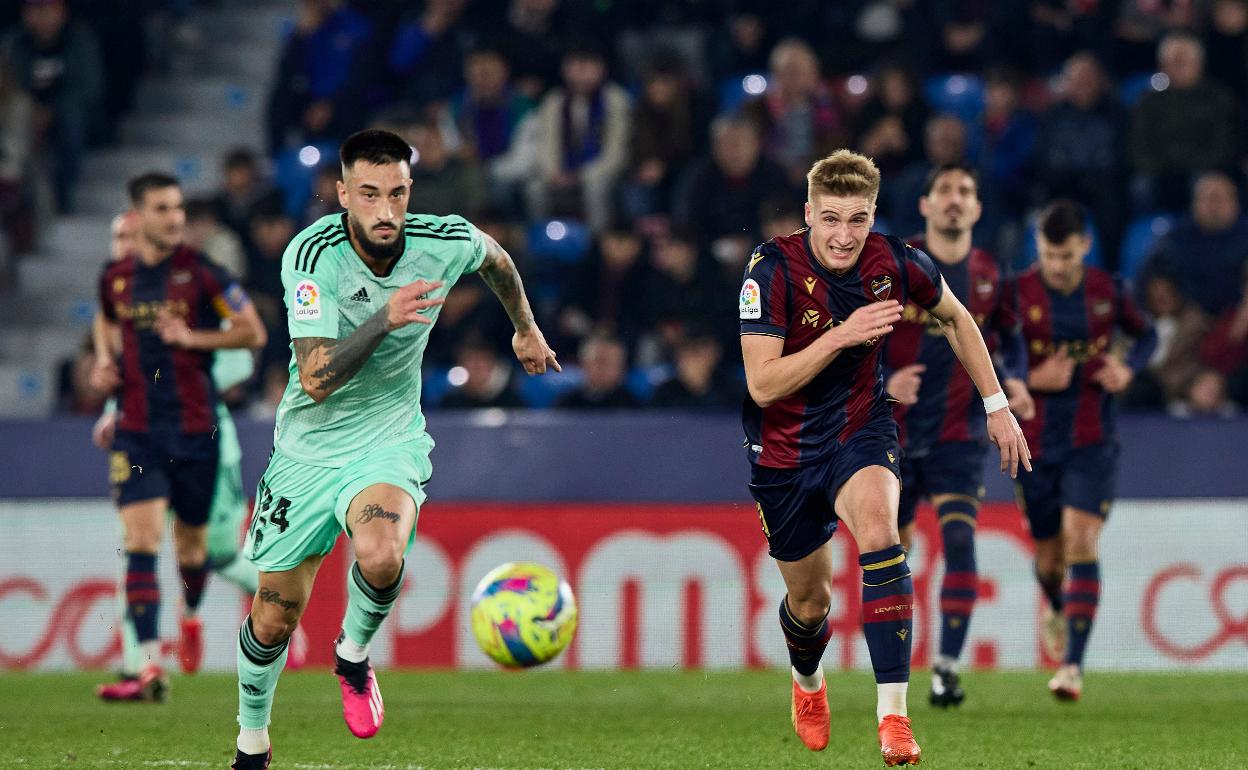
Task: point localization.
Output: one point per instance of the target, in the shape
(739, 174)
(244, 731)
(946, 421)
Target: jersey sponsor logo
(811, 317)
(181, 277)
(984, 287)
(755, 258)
(1102, 308)
(360, 296)
(810, 284)
(751, 304)
(881, 287)
(307, 301)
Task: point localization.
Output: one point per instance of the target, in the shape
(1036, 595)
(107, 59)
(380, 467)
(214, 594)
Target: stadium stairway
(210, 97)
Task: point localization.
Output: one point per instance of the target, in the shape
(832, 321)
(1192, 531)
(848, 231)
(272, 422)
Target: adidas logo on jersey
(360, 296)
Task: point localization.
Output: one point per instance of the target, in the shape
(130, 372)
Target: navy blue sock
(194, 579)
(960, 585)
(887, 610)
(142, 595)
(1083, 592)
(806, 643)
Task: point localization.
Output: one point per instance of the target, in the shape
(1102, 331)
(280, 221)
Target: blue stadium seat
(294, 177)
(959, 94)
(732, 93)
(559, 240)
(1095, 258)
(541, 392)
(642, 380)
(1139, 239)
(433, 385)
(1132, 87)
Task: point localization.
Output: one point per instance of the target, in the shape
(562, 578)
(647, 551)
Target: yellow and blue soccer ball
(522, 614)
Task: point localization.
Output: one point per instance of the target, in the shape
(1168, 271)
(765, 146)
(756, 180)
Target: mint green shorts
(225, 518)
(301, 509)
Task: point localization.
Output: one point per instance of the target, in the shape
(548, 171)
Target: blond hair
(844, 173)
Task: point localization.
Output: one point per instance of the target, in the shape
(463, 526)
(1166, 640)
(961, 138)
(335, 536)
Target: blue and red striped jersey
(1084, 322)
(949, 407)
(165, 388)
(788, 294)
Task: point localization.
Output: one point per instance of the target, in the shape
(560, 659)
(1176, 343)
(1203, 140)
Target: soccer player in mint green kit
(351, 453)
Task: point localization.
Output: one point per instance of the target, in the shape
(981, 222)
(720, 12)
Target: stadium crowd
(630, 155)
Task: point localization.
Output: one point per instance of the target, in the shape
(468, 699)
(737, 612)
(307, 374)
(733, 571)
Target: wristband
(996, 402)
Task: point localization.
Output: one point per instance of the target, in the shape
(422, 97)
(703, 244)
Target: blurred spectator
(1058, 28)
(273, 385)
(489, 379)
(602, 293)
(1225, 348)
(797, 118)
(944, 141)
(16, 155)
(533, 35)
(244, 191)
(271, 231)
(699, 384)
(57, 60)
(964, 32)
(720, 198)
(603, 360)
(442, 183)
(1205, 252)
(321, 88)
(779, 217)
(1079, 149)
(75, 394)
(584, 127)
(1206, 397)
(324, 198)
(890, 125)
(1140, 24)
(1188, 127)
(1226, 45)
(1175, 362)
(668, 125)
(743, 50)
(426, 57)
(205, 231)
(1006, 140)
(683, 289)
(488, 110)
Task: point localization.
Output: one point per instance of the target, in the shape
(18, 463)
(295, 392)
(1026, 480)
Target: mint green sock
(259, 666)
(367, 606)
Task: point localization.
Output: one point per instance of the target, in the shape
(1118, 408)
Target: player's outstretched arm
(326, 364)
(968, 345)
(500, 274)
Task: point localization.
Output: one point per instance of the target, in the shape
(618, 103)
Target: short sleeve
(308, 289)
(922, 278)
(763, 305)
(222, 290)
(106, 302)
(475, 253)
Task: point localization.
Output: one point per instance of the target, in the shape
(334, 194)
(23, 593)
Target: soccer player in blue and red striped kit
(820, 435)
(1072, 315)
(940, 420)
(161, 311)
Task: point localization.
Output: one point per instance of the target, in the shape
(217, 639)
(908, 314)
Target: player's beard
(382, 252)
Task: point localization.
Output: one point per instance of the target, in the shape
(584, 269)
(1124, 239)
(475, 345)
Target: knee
(1049, 563)
(272, 627)
(812, 607)
(381, 563)
(142, 540)
(877, 532)
(1079, 546)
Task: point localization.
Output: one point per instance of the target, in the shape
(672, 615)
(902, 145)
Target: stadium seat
(1132, 87)
(642, 380)
(294, 176)
(542, 392)
(559, 240)
(1028, 254)
(1139, 239)
(957, 94)
(434, 385)
(732, 89)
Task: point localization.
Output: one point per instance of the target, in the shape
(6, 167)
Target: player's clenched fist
(868, 322)
(409, 303)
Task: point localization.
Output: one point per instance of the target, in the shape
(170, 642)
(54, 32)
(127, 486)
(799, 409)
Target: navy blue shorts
(953, 468)
(796, 505)
(1083, 479)
(182, 468)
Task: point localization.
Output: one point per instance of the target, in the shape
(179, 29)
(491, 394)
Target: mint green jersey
(329, 292)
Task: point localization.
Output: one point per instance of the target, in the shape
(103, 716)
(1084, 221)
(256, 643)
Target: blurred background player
(161, 308)
(350, 451)
(1071, 315)
(820, 434)
(229, 505)
(941, 423)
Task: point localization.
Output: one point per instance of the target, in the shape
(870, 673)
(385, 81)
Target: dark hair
(239, 157)
(200, 208)
(945, 168)
(1061, 219)
(374, 146)
(152, 180)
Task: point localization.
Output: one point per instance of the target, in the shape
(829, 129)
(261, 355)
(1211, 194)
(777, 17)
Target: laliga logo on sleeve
(751, 301)
(307, 301)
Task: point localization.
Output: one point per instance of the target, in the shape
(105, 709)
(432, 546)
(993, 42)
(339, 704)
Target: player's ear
(342, 193)
(806, 214)
(924, 206)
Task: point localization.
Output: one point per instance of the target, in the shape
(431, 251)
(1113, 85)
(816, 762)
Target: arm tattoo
(375, 511)
(269, 596)
(329, 364)
(500, 274)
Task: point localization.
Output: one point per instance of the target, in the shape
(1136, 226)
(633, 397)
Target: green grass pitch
(631, 720)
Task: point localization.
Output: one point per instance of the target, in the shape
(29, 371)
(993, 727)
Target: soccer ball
(523, 614)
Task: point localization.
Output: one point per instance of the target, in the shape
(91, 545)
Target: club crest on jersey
(881, 287)
(751, 304)
(307, 301)
(984, 287)
(1102, 308)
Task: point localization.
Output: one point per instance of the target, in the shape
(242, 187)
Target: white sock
(946, 663)
(350, 651)
(810, 683)
(890, 698)
(253, 741)
(150, 650)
